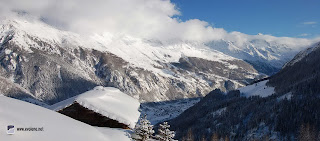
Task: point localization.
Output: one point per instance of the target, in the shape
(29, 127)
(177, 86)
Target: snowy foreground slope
(107, 101)
(55, 126)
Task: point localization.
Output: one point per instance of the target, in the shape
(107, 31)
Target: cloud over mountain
(150, 19)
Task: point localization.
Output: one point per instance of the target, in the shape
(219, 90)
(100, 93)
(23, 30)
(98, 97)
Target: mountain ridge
(54, 65)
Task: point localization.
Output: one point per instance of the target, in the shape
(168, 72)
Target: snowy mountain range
(46, 64)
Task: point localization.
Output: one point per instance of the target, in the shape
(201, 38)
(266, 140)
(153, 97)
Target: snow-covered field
(107, 101)
(257, 89)
(56, 127)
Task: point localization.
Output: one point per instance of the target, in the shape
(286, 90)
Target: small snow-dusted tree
(164, 133)
(143, 130)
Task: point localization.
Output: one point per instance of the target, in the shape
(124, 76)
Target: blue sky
(292, 18)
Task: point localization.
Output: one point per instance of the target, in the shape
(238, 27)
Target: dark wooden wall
(76, 111)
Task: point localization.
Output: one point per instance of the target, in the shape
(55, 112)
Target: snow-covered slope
(55, 126)
(136, 51)
(54, 65)
(302, 54)
(257, 89)
(107, 101)
(266, 53)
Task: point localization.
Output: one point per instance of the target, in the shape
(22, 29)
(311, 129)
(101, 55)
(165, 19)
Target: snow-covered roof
(107, 101)
(54, 126)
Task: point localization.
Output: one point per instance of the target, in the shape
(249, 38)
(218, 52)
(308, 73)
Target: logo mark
(10, 129)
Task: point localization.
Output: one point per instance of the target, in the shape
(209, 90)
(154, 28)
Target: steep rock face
(52, 78)
(48, 77)
(208, 70)
(198, 65)
(51, 65)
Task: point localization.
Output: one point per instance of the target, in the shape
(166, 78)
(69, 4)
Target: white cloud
(309, 23)
(143, 18)
(304, 34)
(150, 19)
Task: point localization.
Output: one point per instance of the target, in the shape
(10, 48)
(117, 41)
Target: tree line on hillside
(232, 117)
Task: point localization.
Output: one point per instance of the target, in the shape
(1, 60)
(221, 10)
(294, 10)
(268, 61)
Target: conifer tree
(143, 130)
(164, 133)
